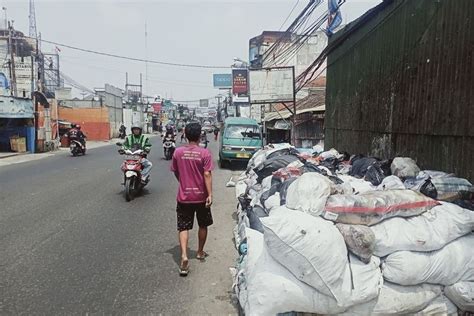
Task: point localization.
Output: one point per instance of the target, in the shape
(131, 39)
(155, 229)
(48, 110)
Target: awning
(285, 114)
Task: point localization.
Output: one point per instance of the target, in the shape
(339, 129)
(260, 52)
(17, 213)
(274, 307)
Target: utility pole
(146, 58)
(5, 15)
(12, 60)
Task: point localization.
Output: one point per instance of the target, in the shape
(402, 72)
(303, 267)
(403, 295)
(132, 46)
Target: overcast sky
(179, 31)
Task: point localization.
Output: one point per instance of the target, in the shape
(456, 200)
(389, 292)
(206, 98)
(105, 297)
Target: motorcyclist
(75, 133)
(203, 139)
(135, 141)
(122, 131)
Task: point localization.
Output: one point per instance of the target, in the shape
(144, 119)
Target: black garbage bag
(360, 165)
(283, 152)
(330, 163)
(259, 211)
(374, 174)
(254, 220)
(311, 167)
(284, 189)
(272, 165)
(378, 171)
(335, 179)
(244, 201)
(429, 189)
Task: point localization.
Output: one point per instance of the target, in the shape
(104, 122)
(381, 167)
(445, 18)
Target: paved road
(70, 244)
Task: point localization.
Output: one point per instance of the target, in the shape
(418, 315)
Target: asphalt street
(71, 244)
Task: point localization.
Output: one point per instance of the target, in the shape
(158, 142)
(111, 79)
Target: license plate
(243, 155)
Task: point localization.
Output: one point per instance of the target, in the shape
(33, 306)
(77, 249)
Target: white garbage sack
(314, 251)
(439, 306)
(358, 185)
(360, 240)
(429, 231)
(404, 167)
(240, 188)
(462, 295)
(272, 202)
(267, 183)
(272, 289)
(309, 193)
(391, 183)
(373, 207)
(398, 300)
(449, 265)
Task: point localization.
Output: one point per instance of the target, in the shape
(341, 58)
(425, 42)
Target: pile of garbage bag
(334, 234)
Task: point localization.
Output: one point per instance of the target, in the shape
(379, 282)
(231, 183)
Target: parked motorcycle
(77, 148)
(132, 168)
(168, 147)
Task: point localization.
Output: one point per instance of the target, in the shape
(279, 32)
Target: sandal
(203, 256)
(184, 268)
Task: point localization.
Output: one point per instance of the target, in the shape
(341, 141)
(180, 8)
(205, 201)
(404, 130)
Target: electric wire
(131, 58)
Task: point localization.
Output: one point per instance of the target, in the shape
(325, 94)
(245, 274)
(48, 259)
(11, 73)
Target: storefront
(16, 125)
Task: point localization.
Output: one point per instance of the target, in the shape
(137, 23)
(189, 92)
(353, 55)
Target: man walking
(192, 166)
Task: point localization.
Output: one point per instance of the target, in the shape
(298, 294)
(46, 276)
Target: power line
(133, 58)
(291, 12)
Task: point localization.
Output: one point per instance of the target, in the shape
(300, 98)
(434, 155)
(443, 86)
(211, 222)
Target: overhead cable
(133, 58)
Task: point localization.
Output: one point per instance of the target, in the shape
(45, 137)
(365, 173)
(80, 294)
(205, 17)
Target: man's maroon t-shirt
(190, 162)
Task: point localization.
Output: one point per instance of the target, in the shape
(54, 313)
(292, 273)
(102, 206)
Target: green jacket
(139, 142)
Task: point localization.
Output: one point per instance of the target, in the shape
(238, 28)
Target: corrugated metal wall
(402, 84)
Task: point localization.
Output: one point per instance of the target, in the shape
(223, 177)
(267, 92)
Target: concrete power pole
(12, 60)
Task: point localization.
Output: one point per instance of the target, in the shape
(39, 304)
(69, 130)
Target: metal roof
(286, 114)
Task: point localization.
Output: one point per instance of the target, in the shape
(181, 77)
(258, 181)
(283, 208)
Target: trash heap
(330, 233)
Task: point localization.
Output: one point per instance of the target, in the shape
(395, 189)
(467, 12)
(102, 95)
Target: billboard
(272, 85)
(222, 81)
(24, 76)
(240, 87)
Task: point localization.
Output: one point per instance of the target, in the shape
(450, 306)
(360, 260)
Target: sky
(210, 32)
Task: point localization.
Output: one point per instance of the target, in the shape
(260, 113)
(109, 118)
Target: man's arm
(208, 182)
(126, 144)
(147, 145)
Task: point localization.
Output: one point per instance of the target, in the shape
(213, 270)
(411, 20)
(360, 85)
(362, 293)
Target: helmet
(136, 126)
(78, 126)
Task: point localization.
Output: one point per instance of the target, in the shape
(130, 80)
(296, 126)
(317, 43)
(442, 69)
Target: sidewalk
(11, 158)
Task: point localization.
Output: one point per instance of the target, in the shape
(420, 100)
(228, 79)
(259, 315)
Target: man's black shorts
(186, 212)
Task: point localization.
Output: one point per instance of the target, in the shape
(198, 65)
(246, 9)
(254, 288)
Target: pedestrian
(216, 132)
(192, 166)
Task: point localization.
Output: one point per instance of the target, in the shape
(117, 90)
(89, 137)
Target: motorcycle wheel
(74, 153)
(129, 188)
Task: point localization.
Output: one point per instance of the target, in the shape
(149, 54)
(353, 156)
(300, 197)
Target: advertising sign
(24, 76)
(240, 86)
(223, 81)
(272, 85)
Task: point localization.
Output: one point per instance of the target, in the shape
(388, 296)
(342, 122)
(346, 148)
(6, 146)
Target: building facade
(400, 83)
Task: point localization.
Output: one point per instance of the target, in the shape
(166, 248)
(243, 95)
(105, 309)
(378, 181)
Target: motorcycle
(168, 147)
(76, 148)
(132, 168)
(203, 141)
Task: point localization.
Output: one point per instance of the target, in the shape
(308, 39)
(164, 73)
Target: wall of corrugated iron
(402, 84)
